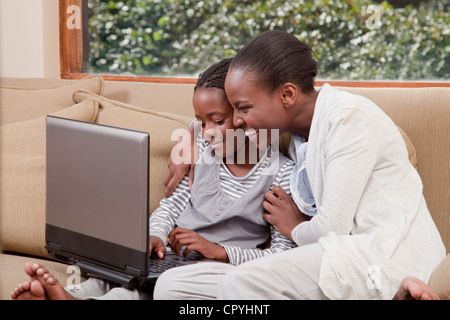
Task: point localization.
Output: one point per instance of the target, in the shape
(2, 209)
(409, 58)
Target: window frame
(72, 58)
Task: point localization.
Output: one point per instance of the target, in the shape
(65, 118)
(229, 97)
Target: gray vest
(216, 217)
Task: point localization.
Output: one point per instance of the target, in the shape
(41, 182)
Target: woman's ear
(289, 93)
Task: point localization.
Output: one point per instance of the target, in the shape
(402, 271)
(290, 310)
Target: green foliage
(352, 39)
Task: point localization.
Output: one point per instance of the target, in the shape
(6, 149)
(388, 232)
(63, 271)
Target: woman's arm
(350, 155)
(193, 141)
(177, 170)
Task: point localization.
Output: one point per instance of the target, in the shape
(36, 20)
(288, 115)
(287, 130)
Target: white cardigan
(372, 220)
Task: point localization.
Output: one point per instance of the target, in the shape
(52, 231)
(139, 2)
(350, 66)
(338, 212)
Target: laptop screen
(97, 187)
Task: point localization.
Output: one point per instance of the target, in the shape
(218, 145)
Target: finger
(174, 247)
(268, 217)
(186, 251)
(161, 252)
(170, 173)
(169, 163)
(268, 206)
(167, 179)
(155, 244)
(179, 242)
(178, 239)
(191, 176)
(170, 186)
(150, 249)
(176, 231)
(175, 179)
(270, 196)
(279, 191)
(172, 234)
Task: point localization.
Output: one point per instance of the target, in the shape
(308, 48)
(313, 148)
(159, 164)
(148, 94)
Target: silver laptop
(98, 202)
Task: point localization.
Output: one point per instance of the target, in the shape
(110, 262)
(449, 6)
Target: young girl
(221, 218)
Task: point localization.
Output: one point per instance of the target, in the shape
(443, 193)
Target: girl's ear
(289, 93)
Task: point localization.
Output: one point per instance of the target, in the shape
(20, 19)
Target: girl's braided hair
(214, 76)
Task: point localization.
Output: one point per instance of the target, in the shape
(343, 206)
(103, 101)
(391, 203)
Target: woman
(372, 228)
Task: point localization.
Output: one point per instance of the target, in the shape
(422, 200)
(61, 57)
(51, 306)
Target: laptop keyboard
(159, 266)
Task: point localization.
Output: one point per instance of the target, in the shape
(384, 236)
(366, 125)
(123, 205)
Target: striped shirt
(162, 220)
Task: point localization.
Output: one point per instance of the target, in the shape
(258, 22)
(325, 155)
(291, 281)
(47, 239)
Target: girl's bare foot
(43, 285)
(29, 291)
(414, 289)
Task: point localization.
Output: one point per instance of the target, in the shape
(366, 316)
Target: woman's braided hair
(214, 76)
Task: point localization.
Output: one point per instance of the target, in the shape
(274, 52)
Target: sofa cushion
(22, 180)
(440, 279)
(26, 103)
(410, 147)
(159, 125)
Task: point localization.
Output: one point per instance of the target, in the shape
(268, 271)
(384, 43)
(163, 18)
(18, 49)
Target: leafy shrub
(352, 39)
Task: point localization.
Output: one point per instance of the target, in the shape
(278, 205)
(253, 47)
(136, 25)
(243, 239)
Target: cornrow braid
(214, 76)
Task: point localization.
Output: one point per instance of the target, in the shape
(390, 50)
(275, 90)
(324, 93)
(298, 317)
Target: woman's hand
(283, 213)
(176, 174)
(185, 151)
(192, 241)
(157, 246)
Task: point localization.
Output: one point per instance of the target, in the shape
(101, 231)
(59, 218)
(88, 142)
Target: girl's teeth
(250, 132)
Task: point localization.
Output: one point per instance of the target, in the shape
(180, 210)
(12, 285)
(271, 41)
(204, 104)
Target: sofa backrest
(423, 113)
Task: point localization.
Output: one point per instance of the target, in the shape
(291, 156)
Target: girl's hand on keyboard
(157, 246)
(192, 241)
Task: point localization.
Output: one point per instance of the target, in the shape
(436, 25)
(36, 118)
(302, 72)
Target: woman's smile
(252, 134)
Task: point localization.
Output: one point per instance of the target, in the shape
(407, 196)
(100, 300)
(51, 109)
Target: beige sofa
(424, 114)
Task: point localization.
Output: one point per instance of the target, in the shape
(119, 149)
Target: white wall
(29, 38)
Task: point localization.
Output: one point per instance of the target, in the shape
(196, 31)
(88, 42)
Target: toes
(23, 286)
(29, 269)
(54, 290)
(26, 285)
(41, 271)
(36, 289)
(51, 281)
(43, 285)
(32, 269)
(15, 293)
(20, 289)
(48, 277)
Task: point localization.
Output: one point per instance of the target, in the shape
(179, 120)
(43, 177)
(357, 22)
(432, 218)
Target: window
(353, 40)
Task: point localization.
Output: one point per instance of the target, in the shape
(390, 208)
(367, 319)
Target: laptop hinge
(53, 246)
(119, 278)
(133, 271)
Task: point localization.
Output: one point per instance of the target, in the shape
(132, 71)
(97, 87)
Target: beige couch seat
(423, 114)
